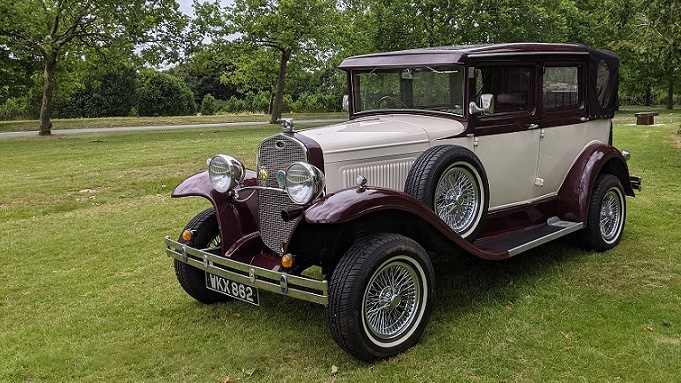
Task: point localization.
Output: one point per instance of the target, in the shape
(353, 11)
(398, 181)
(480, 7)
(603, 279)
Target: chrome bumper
(294, 286)
(636, 182)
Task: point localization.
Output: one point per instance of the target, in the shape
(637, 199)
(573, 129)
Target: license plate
(233, 289)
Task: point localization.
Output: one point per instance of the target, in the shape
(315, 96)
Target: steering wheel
(396, 101)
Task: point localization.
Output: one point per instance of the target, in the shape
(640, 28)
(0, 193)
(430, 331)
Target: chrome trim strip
(259, 188)
(250, 275)
(568, 227)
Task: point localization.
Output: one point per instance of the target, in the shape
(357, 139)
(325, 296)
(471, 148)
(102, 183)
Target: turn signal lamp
(287, 260)
(187, 235)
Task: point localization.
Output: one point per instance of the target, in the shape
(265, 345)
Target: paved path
(155, 127)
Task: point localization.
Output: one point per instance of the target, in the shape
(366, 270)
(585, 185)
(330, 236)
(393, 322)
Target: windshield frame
(354, 88)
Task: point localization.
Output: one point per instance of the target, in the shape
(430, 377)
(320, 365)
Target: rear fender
(575, 193)
(329, 227)
(234, 219)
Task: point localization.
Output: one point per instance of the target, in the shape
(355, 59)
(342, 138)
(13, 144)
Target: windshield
(440, 90)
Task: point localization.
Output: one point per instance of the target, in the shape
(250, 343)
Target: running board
(520, 241)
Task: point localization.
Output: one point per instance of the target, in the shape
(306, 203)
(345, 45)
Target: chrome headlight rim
(316, 189)
(225, 172)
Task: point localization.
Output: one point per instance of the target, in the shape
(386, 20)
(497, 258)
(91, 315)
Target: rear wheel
(606, 216)
(380, 296)
(206, 235)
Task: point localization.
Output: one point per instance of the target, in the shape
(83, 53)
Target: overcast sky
(186, 5)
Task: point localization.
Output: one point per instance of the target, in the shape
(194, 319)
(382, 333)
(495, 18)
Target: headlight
(304, 182)
(225, 172)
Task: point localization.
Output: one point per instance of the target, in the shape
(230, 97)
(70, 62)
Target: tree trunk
(670, 78)
(46, 108)
(279, 95)
(670, 90)
(647, 95)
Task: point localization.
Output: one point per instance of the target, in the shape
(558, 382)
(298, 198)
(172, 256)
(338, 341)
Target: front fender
(575, 193)
(234, 219)
(351, 205)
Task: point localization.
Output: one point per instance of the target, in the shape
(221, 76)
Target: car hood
(371, 136)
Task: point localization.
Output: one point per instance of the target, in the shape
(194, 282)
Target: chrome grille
(276, 153)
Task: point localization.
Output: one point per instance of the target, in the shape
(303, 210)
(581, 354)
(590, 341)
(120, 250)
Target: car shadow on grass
(464, 282)
(465, 285)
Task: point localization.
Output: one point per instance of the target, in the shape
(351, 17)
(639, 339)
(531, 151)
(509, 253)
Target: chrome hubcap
(611, 215)
(457, 198)
(392, 300)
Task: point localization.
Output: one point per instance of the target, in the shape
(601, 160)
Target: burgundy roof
(455, 54)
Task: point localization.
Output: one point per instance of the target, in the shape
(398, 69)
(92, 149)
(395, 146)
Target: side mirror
(486, 107)
(346, 102)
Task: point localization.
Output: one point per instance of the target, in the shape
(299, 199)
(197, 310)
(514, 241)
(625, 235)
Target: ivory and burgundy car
(488, 150)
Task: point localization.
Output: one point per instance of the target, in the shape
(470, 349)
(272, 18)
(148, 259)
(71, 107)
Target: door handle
(532, 126)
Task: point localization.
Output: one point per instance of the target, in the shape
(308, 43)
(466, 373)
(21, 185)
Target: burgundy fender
(350, 204)
(235, 220)
(575, 193)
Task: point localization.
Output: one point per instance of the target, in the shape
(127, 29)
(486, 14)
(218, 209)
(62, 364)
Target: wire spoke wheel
(610, 215)
(214, 243)
(457, 198)
(392, 300)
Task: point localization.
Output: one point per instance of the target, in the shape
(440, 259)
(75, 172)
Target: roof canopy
(441, 56)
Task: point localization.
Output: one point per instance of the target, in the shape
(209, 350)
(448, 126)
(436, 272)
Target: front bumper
(294, 286)
(636, 182)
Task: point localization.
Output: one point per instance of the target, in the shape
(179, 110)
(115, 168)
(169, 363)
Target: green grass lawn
(114, 122)
(87, 294)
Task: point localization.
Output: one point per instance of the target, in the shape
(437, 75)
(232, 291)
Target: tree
(285, 29)
(659, 25)
(203, 70)
(51, 29)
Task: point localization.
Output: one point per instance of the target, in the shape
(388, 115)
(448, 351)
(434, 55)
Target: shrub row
(110, 93)
(260, 103)
(124, 91)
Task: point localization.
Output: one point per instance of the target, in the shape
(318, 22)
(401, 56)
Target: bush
(13, 109)
(107, 92)
(261, 102)
(209, 105)
(233, 105)
(160, 94)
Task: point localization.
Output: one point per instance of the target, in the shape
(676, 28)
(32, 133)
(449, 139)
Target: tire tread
(350, 271)
(187, 275)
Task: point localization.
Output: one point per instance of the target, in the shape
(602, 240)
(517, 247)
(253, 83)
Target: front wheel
(193, 281)
(380, 296)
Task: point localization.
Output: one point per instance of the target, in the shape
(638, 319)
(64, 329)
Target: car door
(507, 140)
(564, 129)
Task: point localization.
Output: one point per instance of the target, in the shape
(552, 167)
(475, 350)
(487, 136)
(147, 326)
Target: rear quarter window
(560, 87)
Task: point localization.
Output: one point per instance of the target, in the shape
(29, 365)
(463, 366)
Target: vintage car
(489, 150)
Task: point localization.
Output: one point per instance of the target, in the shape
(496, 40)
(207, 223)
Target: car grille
(276, 153)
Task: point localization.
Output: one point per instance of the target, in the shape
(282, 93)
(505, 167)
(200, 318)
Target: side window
(561, 87)
(510, 86)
